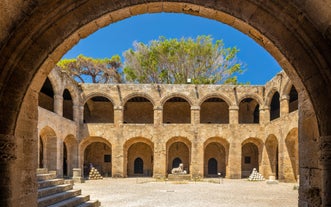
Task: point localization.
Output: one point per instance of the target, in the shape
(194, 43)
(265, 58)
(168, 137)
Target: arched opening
(212, 167)
(138, 166)
(302, 44)
(46, 96)
(178, 152)
(293, 103)
(215, 151)
(65, 160)
(99, 155)
(176, 110)
(98, 109)
(70, 158)
(271, 146)
(214, 111)
(249, 159)
(275, 107)
(49, 143)
(139, 159)
(67, 105)
(41, 153)
(176, 162)
(138, 110)
(249, 111)
(291, 169)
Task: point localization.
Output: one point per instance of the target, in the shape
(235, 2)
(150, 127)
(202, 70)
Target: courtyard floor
(146, 192)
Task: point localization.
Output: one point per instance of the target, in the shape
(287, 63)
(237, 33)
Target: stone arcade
(35, 34)
(147, 129)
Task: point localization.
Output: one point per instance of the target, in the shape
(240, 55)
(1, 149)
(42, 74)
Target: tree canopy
(86, 69)
(171, 61)
(178, 60)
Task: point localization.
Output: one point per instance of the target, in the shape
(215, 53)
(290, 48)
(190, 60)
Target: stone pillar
(264, 115)
(118, 115)
(77, 175)
(312, 190)
(197, 159)
(233, 114)
(195, 115)
(158, 116)
(18, 159)
(265, 167)
(58, 104)
(284, 105)
(78, 114)
(325, 159)
(160, 159)
(118, 161)
(234, 162)
(59, 157)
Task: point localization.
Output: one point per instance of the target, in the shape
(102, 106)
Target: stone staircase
(57, 192)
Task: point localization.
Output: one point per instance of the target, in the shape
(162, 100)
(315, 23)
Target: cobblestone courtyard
(145, 192)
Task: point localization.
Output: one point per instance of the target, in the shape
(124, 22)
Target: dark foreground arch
(35, 34)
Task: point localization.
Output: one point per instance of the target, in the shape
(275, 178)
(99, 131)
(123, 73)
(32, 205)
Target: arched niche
(46, 96)
(249, 111)
(176, 110)
(138, 110)
(275, 107)
(214, 111)
(98, 109)
(67, 105)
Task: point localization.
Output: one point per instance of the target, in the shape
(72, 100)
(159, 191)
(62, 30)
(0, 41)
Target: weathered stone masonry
(147, 129)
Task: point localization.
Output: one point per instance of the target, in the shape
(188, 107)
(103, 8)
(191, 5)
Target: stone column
(159, 163)
(158, 116)
(313, 169)
(58, 104)
(197, 159)
(234, 170)
(233, 114)
(325, 159)
(118, 161)
(118, 115)
(195, 115)
(59, 157)
(284, 105)
(78, 114)
(264, 115)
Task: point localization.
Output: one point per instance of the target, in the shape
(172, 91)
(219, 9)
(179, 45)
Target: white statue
(178, 170)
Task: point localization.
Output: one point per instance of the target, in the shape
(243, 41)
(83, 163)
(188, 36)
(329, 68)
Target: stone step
(47, 176)
(43, 192)
(52, 199)
(71, 202)
(90, 204)
(49, 183)
(42, 171)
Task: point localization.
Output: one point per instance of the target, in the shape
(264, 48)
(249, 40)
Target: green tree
(86, 69)
(176, 61)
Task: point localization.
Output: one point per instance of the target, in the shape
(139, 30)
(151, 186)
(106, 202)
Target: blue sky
(119, 36)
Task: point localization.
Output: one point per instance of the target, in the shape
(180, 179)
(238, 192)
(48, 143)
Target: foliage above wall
(169, 61)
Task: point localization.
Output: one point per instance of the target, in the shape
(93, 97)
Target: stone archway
(251, 156)
(178, 149)
(297, 34)
(49, 144)
(70, 155)
(271, 146)
(291, 170)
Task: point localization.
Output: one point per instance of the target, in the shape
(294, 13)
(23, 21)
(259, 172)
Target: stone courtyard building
(35, 34)
(127, 130)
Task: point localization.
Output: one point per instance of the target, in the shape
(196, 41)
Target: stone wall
(207, 127)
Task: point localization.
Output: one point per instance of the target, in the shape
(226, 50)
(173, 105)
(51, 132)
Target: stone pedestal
(77, 175)
(179, 177)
